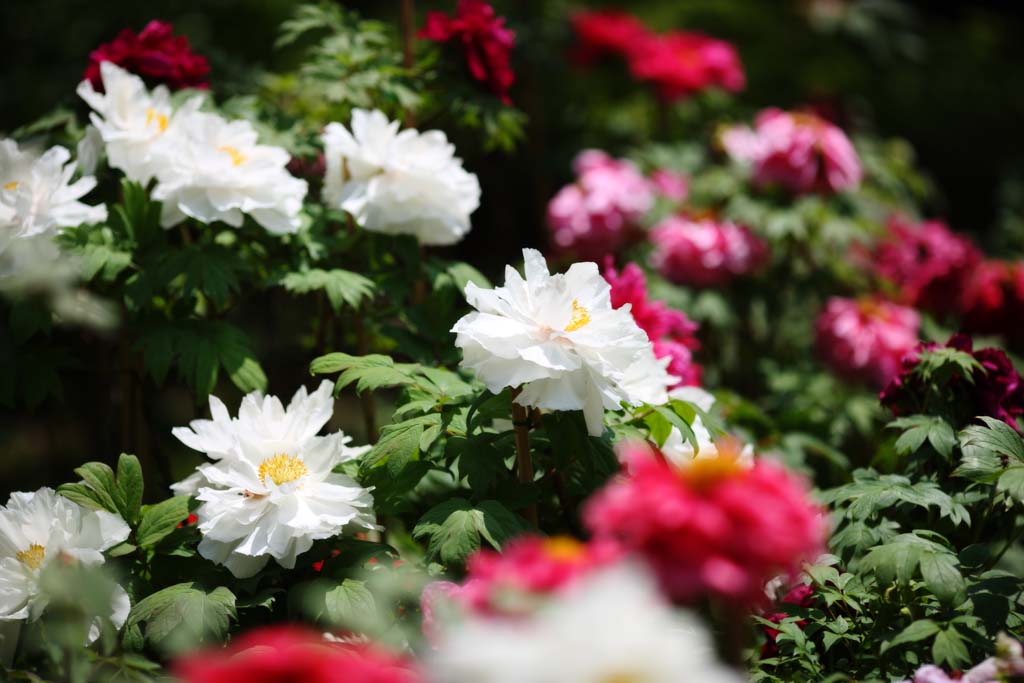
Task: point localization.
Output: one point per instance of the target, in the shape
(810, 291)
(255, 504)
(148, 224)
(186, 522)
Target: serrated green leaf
(350, 602)
(183, 616)
(342, 287)
(1012, 482)
(157, 521)
(949, 649)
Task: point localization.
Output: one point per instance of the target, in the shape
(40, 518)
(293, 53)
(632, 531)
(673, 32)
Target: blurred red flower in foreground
(485, 40)
(671, 332)
(865, 339)
(714, 526)
(801, 152)
(155, 54)
(293, 655)
(704, 252)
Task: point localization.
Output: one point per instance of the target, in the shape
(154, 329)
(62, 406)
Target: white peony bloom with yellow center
(272, 490)
(558, 338)
(39, 527)
(612, 627)
(398, 182)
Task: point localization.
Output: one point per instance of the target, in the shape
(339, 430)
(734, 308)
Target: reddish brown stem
(524, 462)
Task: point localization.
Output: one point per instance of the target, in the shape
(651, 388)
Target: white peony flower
(680, 451)
(406, 183)
(612, 626)
(559, 339)
(38, 527)
(218, 172)
(139, 128)
(272, 491)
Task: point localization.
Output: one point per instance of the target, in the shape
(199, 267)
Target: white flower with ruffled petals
(39, 527)
(612, 626)
(272, 491)
(398, 182)
(559, 339)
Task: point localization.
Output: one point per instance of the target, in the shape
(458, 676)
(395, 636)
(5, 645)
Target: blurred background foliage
(945, 77)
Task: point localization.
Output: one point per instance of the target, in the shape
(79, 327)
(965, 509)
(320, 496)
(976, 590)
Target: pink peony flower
(865, 339)
(799, 151)
(597, 215)
(680, 64)
(927, 261)
(288, 654)
(992, 301)
(155, 53)
(714, 527)
(670, 185)
(672, 333)
(486, 42)
(704, 252)
(606, 33)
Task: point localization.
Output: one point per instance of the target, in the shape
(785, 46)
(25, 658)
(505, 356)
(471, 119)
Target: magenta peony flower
(865, 339)
(704, 252)
(155, 53)
(606, 33)
(680, 64)
(997, 391)
(672, 333)
(670, 185)
(714, 527)
(486, 42)
(597, 215)
(927, 262)
(799, 151)
(288, 654)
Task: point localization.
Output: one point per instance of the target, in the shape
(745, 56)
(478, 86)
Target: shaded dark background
(947, 77)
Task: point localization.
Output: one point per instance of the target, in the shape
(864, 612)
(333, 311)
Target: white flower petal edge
(393, 182)
(271, 491)
(612, 626)
(38, 527)
(559, 339)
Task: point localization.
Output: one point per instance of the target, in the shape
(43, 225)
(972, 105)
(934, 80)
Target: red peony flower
(866, 339)
(156, 54)
(680, 64)
(928, 262)
(992, 301)
(607, 33)
(802, 596)
(801, 152)
(704, 252)
(671, 332)
(714, 527)
(292, 654)
(486, 42)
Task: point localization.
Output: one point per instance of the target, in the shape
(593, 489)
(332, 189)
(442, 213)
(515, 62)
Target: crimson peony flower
(992, 301)
(928, 262)
(712, 527)
(680, 64)
(801, 152)
(996, 391)
(155, 53)
(704, 252)
(485, 40)
(801, 595)
(865, 339)
(597, 215)
(291, 654)
(607, 33)
(671, 332)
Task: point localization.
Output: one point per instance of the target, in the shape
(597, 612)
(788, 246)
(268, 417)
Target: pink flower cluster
(798, 151)
(671, 332)
(678, 63)
(485, 41)
(704, 252)
(288, 654)
(155, 54)
(865, 339)
(714, 526)
(597, 215)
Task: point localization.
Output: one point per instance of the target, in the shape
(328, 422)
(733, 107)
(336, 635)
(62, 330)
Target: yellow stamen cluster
(580, 317)
(33, 557)
(12, 185)
(282, 468)
(623, 677)
(161, 119)
(237, 158)
(564, 548)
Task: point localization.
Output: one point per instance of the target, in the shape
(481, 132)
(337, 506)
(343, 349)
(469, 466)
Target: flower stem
(524, 463)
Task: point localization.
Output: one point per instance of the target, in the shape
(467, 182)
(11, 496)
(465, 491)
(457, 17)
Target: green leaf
(399, 443)
(100, 479)
(996, 437)
(340, 286)
(918, 429)
(1012, 482)
(160, 520)
(350, 602)
(454, 528)
(463, 273)
(918, 630)
(940, 573)
(81, 494)
(183, 616)
(129, 481)
(105, 258)
(949, 648)
(337, 362)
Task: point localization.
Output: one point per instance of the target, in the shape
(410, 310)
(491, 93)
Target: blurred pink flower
(671, 332)
(597, 215)
(704, 252)
(865, 339)
(799, 151)
(671, 185)
(713, 527)
(680, 64)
